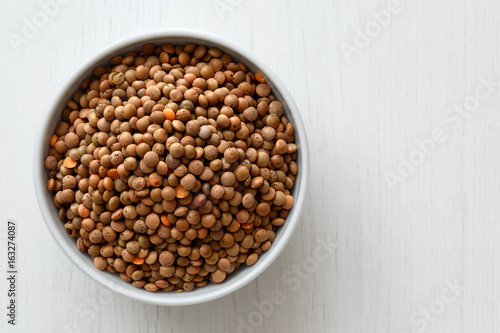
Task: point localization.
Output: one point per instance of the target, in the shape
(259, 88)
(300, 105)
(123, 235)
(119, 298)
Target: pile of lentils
(173, 166)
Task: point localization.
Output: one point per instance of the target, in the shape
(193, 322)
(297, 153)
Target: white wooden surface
(398, 248)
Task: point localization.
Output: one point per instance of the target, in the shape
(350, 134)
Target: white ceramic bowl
(242, 275)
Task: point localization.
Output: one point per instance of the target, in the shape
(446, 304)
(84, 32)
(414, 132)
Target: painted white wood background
(401, 244)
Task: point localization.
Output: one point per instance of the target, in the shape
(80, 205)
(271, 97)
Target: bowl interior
(241, 276)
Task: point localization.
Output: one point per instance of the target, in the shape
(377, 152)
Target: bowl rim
(54, 107)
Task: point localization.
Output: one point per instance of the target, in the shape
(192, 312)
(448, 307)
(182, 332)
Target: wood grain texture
(398, 248)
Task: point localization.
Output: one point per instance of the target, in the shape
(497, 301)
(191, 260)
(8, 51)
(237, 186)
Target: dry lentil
(173, 166)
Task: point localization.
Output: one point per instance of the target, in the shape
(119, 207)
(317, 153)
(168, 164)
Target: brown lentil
(173, 166)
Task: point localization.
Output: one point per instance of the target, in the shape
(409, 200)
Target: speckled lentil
(173, 166)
